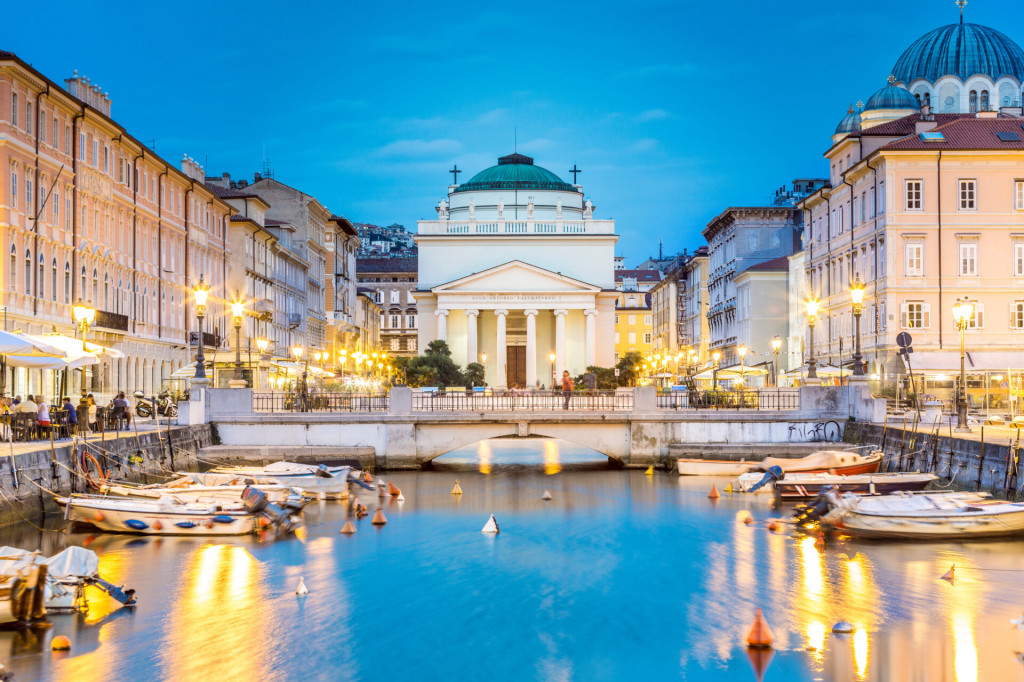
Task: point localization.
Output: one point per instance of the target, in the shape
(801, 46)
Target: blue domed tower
(962, 68)
(849, 124)
(888, 103)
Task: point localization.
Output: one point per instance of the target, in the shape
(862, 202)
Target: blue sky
(674, 111)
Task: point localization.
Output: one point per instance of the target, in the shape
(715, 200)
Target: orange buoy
(99, 517)
(367, 477)
(819, 542)
(348, 528)
(745, 517)
(60, 643)
(760, 635)
(713, 495)
(393, 489)
(948, 575)
(378, 517)
(773, 526)
(157, 525)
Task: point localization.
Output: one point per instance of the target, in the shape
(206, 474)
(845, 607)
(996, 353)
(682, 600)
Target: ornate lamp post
(963, 311)
(742, 352)
(199, 293)
(237, 312)
(812, 314)
(262, 344)
(776, 345)
(857, 294)
(83, 314)
(716, 356)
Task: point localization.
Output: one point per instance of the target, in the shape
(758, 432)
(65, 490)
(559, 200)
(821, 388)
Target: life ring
(103, 476)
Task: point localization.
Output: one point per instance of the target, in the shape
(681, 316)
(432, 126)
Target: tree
(629, 368)
(434, 368)
(474, 375)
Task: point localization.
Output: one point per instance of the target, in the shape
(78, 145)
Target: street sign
(903, 340)
(616, 371)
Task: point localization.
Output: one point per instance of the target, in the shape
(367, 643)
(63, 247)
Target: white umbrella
(22, 344)
(746, 370)
(68, 343)
(71, 354)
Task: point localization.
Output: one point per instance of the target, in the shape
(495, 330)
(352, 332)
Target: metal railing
(521, 401)
(722, 400)
(319, 402)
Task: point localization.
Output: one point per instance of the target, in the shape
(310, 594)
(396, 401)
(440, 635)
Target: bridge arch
(611, 440)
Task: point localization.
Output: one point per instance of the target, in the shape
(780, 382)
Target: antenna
(515, 140)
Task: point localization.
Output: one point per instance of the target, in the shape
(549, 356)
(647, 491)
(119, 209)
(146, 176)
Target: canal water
(621, 576)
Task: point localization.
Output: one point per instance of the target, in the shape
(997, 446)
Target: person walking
(566, 388)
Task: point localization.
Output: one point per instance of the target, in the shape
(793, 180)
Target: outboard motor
(773, 474)
(280, 515)
(126, 597)
(818, 507)
(352, 478)
(322, 472)
(255, 500)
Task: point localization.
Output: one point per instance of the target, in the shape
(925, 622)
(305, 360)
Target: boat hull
(714, 467)
(951, 527)
(146, 521)
(881, 484)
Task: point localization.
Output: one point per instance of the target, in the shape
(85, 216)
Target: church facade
(516, 274)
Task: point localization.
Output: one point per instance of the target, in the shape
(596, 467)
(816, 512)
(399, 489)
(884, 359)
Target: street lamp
(199, 293)
(963, 311)
(776, 345)
(812, 314)
(857, 294)
(84, 314)
(742, 352)
(483, 363)
(552, 357)
(237, 311)
(715, 356)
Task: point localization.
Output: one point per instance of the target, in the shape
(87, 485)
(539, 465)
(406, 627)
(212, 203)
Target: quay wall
(971, 463)
(41, 467)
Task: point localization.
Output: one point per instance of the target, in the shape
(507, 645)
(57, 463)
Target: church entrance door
(515, 367)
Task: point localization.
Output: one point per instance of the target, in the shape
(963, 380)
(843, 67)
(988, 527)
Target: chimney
(257, 177)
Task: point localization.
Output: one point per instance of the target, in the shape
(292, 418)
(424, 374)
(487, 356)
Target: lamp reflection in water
(217, 627)
(551, 463)
(860, 652)
(484, 453)
(816, 640)
(812, 569)
(965, 649)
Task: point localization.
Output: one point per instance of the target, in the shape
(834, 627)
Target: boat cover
(73, 562)
(13, 559)
(823, 459)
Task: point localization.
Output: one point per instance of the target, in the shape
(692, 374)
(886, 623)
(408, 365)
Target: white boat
(842, 462)
(68, 572)
(714, 467)
(804, 486)
(171, 515)
(190, 490)
(332, 482)
(925, 516)
(22, 588)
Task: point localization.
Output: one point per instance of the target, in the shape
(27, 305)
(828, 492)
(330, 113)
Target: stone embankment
(140, 457)
(985, 459)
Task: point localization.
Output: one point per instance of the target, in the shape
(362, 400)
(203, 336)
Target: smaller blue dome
(850, 123)
(892, 97)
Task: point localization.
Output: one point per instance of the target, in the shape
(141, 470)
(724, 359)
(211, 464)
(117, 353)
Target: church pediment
(516, 276)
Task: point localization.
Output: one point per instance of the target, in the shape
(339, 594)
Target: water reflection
(617, 562)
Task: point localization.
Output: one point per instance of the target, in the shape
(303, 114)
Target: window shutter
(926, 315)
(979, 315)
(903, 315)
(1013, 316)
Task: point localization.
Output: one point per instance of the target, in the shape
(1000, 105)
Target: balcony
(210, 340)
(509, 227)
(264, 307)
(109, 321)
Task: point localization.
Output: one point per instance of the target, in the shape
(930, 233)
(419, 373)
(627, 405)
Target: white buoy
(380, 481)
(1019, 622)
(301, 590)
(400, 498)
(843, 628)
(491, 526)
(546, 495)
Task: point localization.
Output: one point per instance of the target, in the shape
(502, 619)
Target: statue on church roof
(529, 208)
(501, 208)
(472, 210)
(442, 210)
(558, 209)
(588, 209)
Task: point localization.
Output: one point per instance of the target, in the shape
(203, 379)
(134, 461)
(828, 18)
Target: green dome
(515, 171)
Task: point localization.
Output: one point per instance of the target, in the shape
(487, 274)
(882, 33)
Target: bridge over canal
(632, 428)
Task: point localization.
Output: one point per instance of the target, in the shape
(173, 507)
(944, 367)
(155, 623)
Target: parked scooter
(165, 406)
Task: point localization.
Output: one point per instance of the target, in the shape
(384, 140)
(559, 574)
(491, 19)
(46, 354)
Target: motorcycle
(165, 406)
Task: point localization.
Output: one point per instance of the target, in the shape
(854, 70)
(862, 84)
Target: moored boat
(22, 589)
(924, 516)
(329, 481)
(841, 462)
(714, 467)
(804, 486)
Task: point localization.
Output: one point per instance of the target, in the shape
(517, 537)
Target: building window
(1017, 315)
(394, 343)
(96, 153)
(915, 315)
(968, 195)
(14, 109)
(915, 260)
(42, 126)
(28, 271)
(647, 338)
(412, 344)
(984, 100)
(1018, 259)
(378, 297)
(81, 147)
(973, 101)
(977, 320)
(55, 209)
(14, 268)
(647, 319)
(631, 320)
(616, 339)
(1018, 195)
(28, 117)
(67, 139)
(53, 280)
(396, 321)
(616, 319)
(914, 190)
(67, 282)
(968, 259)
(54, 137)
(632, 338)
(410, 321)
(14, 189)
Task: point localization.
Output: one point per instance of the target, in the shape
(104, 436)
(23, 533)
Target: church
(517, 274)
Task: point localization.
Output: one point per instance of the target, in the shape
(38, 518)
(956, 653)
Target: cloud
(652, 115)
(419, 148)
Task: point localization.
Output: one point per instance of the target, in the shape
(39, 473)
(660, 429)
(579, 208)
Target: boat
(67, 574)
(924, 516)
(841, 462)
(319, 480)
(714, 467)
(804, 486)
(22, 589)
(172, 515)
(192, 489)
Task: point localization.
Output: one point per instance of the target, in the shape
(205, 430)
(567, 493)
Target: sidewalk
(992, 434)
(144, 426)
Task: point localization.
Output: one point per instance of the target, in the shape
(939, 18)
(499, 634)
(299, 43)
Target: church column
(471, 351)
(591, 340)
(442, 324)
(531, 348)
(560, 364)
(502, 349)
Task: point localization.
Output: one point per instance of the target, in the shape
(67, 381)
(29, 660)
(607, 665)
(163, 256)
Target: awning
(22, 344)
(736, 371)
(948, 362)
(72, 356)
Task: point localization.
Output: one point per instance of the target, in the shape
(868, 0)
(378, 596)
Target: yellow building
(633, 328)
